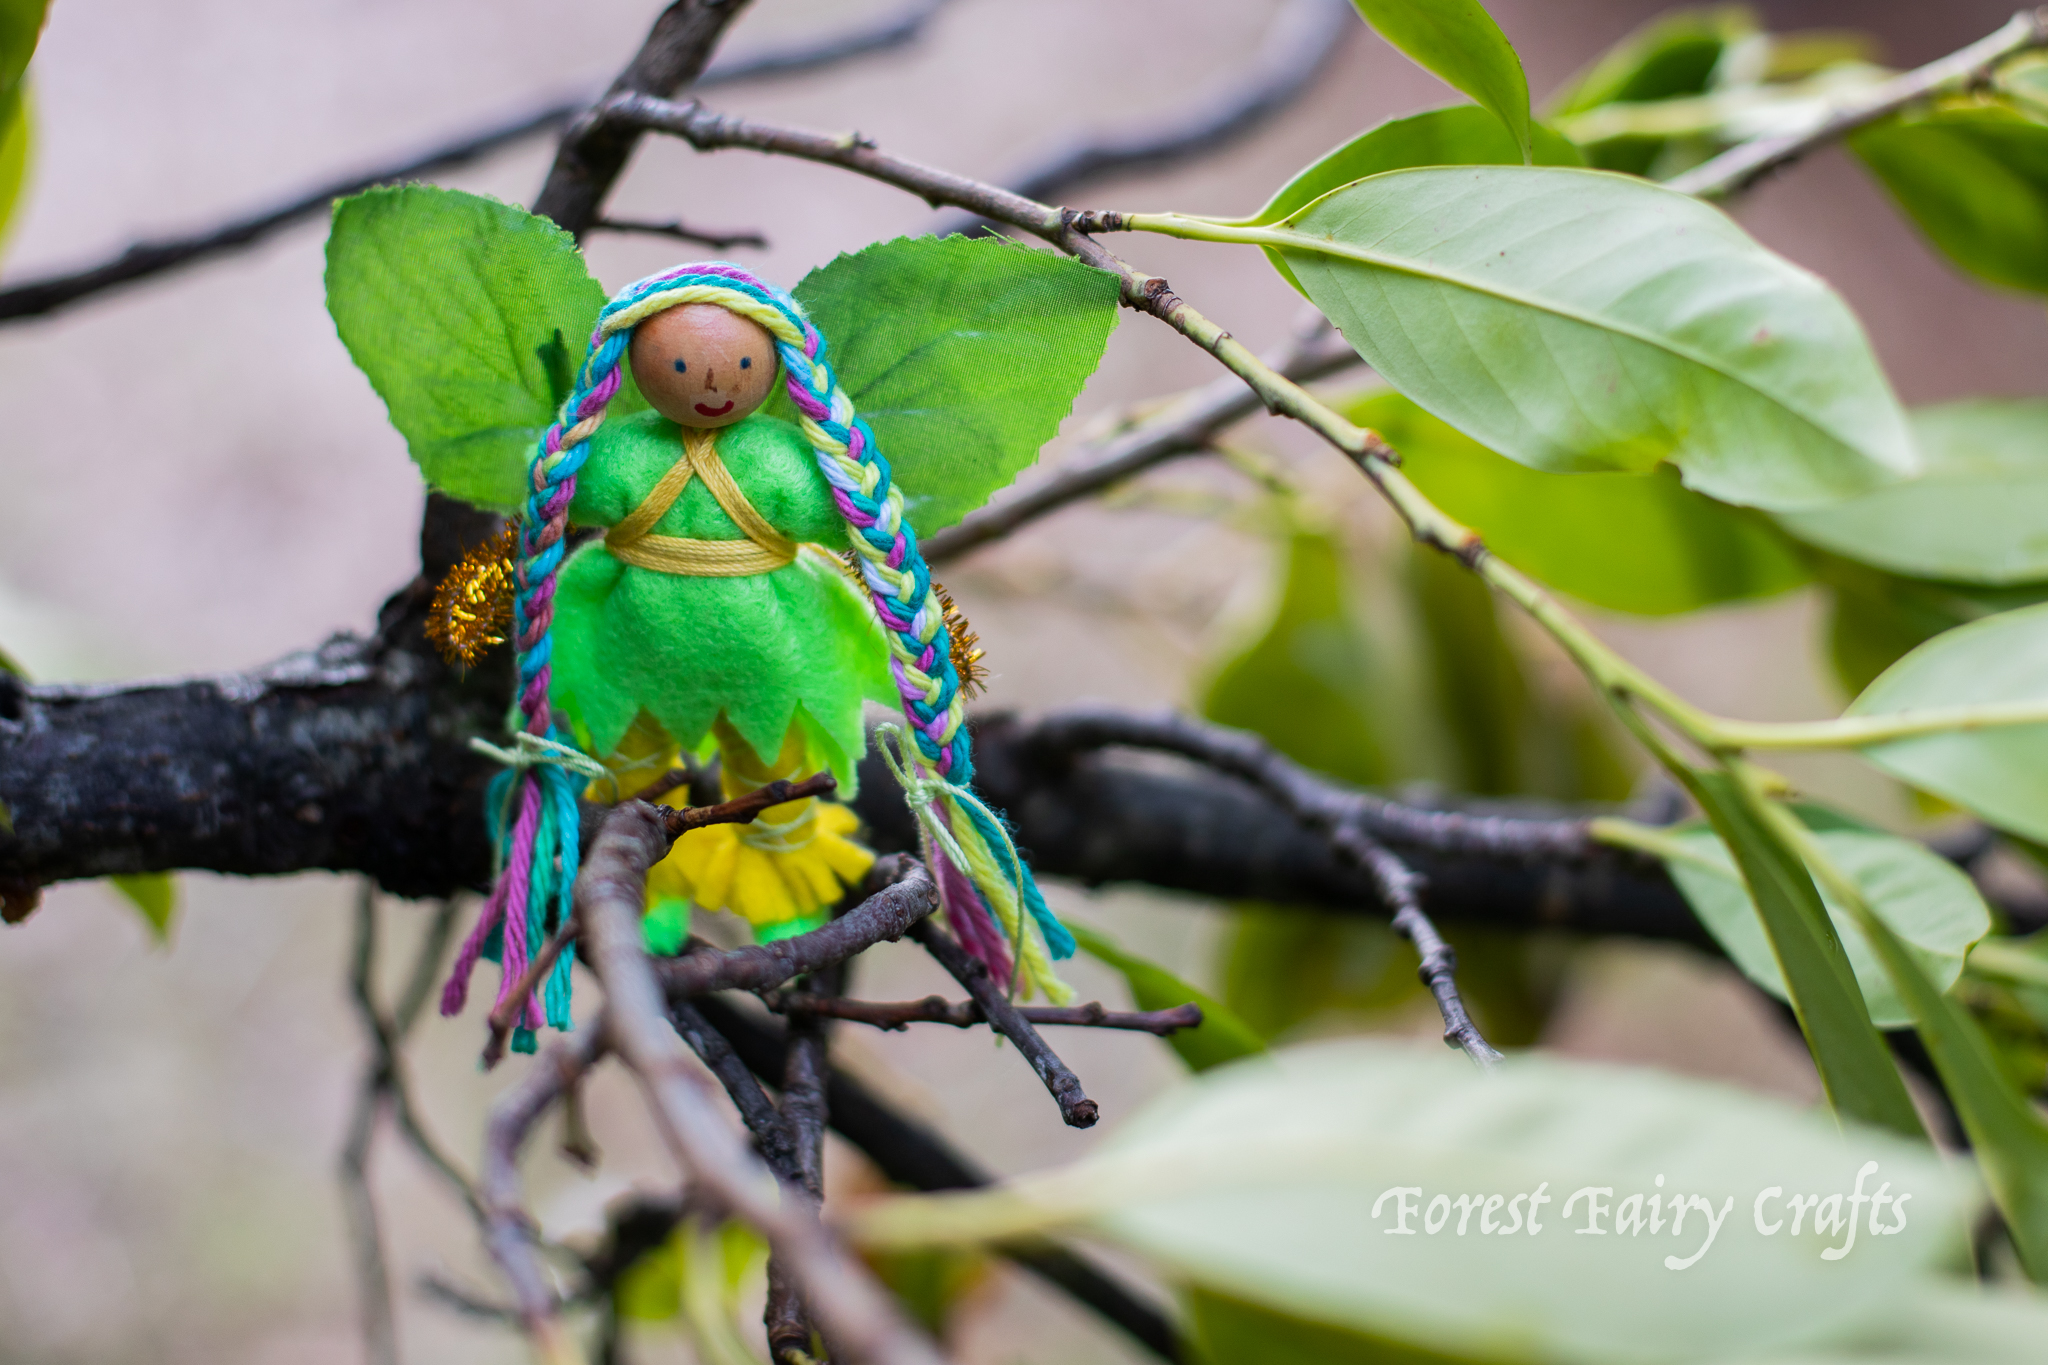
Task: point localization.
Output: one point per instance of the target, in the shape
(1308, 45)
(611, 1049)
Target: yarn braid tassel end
(991, 901)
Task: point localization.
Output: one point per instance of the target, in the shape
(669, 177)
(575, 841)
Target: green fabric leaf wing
(1459, 41)
(963, 353)
(467, 315)
(1577, 320)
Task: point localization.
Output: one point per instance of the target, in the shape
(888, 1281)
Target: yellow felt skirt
(791, 864)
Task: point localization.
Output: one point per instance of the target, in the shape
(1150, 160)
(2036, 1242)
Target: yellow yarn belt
(764, 550)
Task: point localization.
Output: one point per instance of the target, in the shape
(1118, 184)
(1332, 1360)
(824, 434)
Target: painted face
(700, 366)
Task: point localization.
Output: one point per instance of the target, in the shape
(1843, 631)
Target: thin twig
(882, 918)
(1401, 887)
(1076, 1109)
(908, 1153)
(682, 232)
(1185, 428)
(1316, 801)
(366, 1235)
(859, 1320)
(1354, 822)
(934, 1009)
(772, 1135)
(806, 1069)
(1743, 165)
(742, 810)
(508, 1229)
(1299, 45)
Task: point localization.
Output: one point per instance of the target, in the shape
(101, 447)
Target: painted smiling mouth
(706, 410)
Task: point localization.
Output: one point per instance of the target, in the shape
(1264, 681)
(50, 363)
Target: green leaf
(1305, 683)
(2001, 772)
(1222, 1036)
(452, 305)
(2005, 1130)
(1973, 175)
(1462, 135)
(1284, 966)
(6, 819)
(1856, 1069)
(1876, 618)
(1479, 688)
(964, 354)
(1259, 1184)
(21, 27)
(1976, 511)
(154, 894)
(1575, 321)
(1458, 41)
(1930, 902)
(1671, 57)
(1638, 543)
(17, 137)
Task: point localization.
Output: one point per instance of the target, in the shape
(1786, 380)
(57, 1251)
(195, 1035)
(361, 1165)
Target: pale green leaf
(2000, 772)
(964, 354)
(1973, 175)
(1856, 1068)
(1221, 1037)
(1930, 902)
(154, 894)
(464, 313)
(1258, 1182)
(1977, 511)
(1638, 543)
(1459, 41)
(1577, 321)
(1462, 135)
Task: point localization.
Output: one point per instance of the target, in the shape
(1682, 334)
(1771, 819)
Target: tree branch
(508, 1230)
(883, 917)
(1076, 1109)
(1744, 164)
(1298, 46)
(934, 1009)
(860, 1323)
(678, 231)
(908, 1153)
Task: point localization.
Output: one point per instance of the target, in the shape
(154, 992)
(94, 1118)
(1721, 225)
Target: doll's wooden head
(701, 366)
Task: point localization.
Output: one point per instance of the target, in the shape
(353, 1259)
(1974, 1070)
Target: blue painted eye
(681, 368)
(746, 362)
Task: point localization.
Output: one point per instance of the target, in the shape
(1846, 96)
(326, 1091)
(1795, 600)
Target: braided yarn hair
(991, 900)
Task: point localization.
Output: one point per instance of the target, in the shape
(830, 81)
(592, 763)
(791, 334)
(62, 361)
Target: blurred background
(200, 481)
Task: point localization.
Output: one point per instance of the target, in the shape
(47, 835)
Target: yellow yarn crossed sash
(764, 550)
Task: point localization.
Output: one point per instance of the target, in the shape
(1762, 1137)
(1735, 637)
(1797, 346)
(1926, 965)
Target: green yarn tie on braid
(991, 899)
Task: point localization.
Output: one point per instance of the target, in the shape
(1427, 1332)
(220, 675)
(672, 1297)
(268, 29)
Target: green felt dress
(795, 646)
